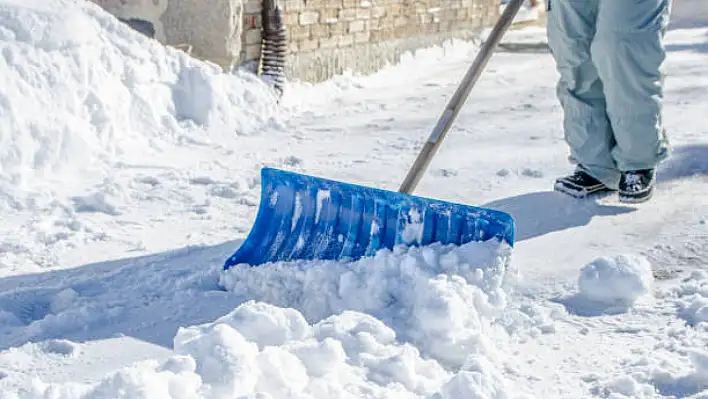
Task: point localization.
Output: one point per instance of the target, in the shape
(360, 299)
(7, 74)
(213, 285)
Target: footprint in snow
(292, 161)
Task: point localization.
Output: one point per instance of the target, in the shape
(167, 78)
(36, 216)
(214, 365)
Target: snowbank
(82, 93)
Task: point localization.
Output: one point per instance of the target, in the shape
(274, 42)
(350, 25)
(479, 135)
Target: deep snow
(129, 172)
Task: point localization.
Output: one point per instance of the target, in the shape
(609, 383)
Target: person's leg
(628, 51)
(571, 29)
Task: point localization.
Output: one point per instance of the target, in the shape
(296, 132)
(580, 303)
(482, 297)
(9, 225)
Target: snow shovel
(307, 218)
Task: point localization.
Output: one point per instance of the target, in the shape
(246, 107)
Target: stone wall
(330, 36)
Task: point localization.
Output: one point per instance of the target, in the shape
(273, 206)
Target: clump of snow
(618, 279)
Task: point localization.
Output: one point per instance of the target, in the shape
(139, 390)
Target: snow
(129, 173)
(620, 279)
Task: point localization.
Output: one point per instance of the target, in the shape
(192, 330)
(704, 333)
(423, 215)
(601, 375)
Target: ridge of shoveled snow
(411, 322)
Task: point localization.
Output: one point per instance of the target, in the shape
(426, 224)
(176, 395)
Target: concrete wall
(326, 37)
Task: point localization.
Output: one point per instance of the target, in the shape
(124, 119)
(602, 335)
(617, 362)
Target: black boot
(580, 185)
(637, 185)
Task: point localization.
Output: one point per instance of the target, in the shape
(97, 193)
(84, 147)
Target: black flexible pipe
(274, 45)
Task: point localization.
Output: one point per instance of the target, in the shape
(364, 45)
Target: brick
(378, 12)
(365, 4)
(329, 16)
(307, 45)
(318, 31)
(329, 42)
(309, 17)
(291, 18)
(346, 40)
(299, 32)
(337, 29)
(461, 14)
(362, 37)
(357, 26)
(350, 4)
(347, 14)
(382, 35)
(363, 13)
(400, 21)
(294, 5)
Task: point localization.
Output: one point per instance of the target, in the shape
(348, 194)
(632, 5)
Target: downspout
(274, 46)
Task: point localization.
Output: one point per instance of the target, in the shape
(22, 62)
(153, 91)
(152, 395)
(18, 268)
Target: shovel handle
(458, 98)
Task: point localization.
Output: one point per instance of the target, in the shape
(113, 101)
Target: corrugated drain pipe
(274, 45)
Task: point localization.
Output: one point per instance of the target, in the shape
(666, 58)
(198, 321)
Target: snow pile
(409, 323)
(617, 280)
(81, 93)
(263, 351)
(440, 298)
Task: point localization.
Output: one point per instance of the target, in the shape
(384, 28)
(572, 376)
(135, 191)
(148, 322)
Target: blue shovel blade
(302, 217)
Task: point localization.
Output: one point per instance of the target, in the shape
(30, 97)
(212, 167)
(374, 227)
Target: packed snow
(129, 172)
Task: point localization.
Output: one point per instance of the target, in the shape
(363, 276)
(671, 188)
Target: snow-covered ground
(129, 172)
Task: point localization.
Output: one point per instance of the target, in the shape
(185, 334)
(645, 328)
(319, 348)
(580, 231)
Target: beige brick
(357, 26)
(395, 10)
(294, 5)
(362, 37)
(381, 35)
(378, 12)
(329, 16)
(347, 14)
(400, 21)
(375, 24)
(318, 31)
(461, 14)
(350, 4)
(337, 29)
(299, 32)
(309, 17)
(334, 4)
(307, 45)
(329, 42)
(363, 13)
(291, 18)
(346, 40)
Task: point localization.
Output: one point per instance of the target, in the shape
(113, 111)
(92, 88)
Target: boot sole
(582, 194)
(631, 199)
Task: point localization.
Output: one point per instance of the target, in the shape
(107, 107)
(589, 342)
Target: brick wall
(328, 37)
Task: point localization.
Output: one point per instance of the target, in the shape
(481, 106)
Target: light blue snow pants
(610, 54)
